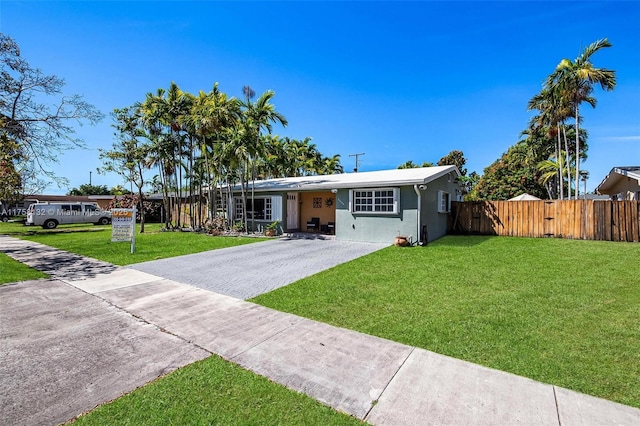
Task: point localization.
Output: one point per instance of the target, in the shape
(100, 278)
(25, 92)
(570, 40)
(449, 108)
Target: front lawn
(214, 392)
(95, 241)
(563, 312)
(13, 271)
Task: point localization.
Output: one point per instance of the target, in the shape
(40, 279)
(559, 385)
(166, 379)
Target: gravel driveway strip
(247, 271)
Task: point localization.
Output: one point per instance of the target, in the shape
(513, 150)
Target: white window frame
(376, 201)
(444, 202)
(272, 208)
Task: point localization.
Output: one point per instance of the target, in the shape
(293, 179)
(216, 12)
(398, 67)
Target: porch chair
(331, 227)
(314, 224)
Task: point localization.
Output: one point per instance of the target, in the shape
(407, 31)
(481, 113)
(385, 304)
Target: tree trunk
(577, 155)
(558, 155)
(244, 199)
(193, 216)
(178, 187)
(567, 163)
(141, 200)
(166, 202)
(253, 202)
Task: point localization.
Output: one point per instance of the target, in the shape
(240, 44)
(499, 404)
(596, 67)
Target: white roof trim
(617, 173)
(381, 178)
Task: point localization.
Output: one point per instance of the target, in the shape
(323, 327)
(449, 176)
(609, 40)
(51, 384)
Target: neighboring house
(103, 201)
(622, 183)
(366, 206)
(21, 207)
(27, 200)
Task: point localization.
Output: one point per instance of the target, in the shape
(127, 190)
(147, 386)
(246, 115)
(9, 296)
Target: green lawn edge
(153, 244)
(214, 392)
(14, 271)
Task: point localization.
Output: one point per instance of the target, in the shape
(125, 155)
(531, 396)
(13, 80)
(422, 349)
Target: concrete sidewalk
(373, 379)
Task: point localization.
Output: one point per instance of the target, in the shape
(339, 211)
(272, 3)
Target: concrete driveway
(247, 271)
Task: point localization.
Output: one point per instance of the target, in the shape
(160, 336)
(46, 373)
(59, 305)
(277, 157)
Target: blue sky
(396, 80)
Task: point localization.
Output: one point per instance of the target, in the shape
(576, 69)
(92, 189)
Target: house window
(221, 204)
(444, 202)
(260, 208)
(377, 200)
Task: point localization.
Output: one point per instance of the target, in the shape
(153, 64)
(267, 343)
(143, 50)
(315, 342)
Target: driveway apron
(247, 271)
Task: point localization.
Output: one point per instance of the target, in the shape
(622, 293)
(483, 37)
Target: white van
(49, 215)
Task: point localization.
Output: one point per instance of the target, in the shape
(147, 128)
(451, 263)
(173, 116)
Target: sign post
(123, 226)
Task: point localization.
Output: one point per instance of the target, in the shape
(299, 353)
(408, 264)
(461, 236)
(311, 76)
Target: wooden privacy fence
(577, 219)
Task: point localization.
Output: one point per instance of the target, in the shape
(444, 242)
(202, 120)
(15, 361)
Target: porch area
(311, 213)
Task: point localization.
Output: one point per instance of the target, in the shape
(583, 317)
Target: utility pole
(90, 178)
(356, 155)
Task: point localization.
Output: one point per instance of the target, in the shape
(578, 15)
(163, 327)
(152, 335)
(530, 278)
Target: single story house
(622, 183)
(366, 206)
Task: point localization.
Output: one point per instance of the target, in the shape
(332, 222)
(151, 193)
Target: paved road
(247, 271)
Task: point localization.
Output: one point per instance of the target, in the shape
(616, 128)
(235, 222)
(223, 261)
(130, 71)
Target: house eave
(616, 175)
(352, 180)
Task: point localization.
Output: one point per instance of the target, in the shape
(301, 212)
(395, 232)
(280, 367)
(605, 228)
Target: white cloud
(622, 138)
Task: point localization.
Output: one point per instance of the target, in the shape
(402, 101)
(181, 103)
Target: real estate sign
(123, 226)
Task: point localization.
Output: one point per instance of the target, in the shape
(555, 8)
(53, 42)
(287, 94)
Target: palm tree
(163, 115)
(552, 116)
(331, 165)
(408, 165)
(258, 115)
(159, 155)
(575, 81)
(549, 173)
(210, 114)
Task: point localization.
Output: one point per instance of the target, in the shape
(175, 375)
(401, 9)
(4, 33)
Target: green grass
(95, 241)
(214, 392)
(564, 312)
(13, 271)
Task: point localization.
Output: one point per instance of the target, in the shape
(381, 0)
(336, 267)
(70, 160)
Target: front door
(292, 210)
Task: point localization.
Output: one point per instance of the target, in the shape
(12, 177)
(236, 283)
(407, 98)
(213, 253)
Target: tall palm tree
(159, 155)
(259, 115)
(163, 115)
(575, 80)
(211, 113)
(552, 116)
